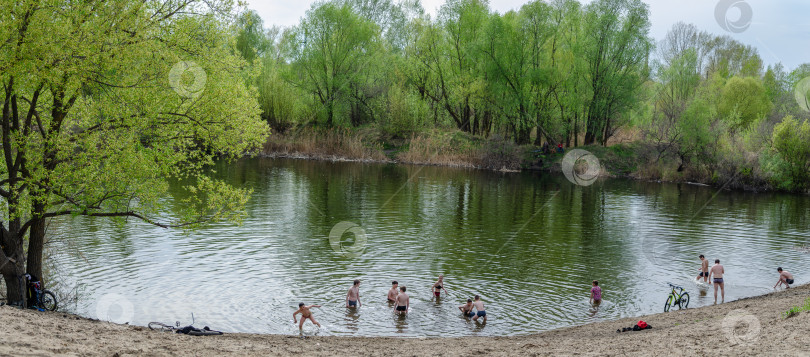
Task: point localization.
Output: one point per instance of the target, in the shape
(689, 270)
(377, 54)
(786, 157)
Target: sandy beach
(752, 326)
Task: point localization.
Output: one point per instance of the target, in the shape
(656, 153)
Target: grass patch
(793, 311)
(327, 143)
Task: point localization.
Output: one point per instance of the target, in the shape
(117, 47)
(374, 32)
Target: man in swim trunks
(467, 309)
(439, 286)
(784, 278)
(403, 301)
(393, 292)
(717, 272)
(704, 269)
(481, 311)
(305, 314)
(353, 297)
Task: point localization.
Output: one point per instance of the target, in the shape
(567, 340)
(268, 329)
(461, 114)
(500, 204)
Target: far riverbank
(624, 157)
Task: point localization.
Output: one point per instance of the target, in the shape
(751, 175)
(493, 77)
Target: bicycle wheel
(684, 301)
(47, 300)
(159, 326)
(669, 303)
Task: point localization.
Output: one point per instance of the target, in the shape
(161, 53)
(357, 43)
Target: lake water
(529, 243)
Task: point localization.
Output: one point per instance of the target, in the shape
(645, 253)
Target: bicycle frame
(676, 295)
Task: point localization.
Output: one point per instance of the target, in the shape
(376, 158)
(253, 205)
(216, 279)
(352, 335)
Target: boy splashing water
(305, 314)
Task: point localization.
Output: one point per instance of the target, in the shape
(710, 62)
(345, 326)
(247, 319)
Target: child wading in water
(403, 301)
(467, 309)
(596, 294)
(305, 314)
(481, 311)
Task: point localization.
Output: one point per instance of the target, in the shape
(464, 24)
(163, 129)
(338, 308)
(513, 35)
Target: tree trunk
(14, 269)
(15, 288)
(36, 243)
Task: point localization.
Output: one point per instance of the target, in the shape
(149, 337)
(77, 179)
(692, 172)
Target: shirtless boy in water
(403, 301)
(467, 308)
(353, 296)
(717, 272)
(784, 278)
(305, 314)
(392, 293)
(704, 269)
(481, 311)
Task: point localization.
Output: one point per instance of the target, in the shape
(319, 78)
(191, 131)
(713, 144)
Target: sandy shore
(747, 327)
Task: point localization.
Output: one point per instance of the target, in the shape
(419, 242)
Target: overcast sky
(780, 29)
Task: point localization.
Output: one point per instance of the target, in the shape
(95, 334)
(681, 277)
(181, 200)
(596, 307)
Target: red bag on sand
(642, 324)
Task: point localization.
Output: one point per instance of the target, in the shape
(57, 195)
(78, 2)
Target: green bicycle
(679, 297)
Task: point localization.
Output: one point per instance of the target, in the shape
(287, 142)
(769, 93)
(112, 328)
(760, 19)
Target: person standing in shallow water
(596, 294)
(438, 286)
(403, 301)
(353, 296)
(704, 269)
(393, 292)
(717, 272)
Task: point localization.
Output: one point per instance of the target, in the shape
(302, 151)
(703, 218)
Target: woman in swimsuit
(439, 286)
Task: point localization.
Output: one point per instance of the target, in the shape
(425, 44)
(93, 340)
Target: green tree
(791, 141)
(454, 58)
(567, 83)
(251, 39)
(100, 115)
(743, 102)
(617, 49)
(333, 52)
(517, 65)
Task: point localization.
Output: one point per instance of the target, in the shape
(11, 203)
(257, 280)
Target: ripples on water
(529, 244)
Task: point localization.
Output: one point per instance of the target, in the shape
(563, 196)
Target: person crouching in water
(481, 311)
(467, 309)
(784, 278)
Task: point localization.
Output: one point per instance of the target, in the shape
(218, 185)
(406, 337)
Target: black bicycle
(47, 300)
(42, 298)
(679, 297)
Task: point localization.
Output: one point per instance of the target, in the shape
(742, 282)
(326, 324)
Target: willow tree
(617, 49)
(104, 104)
(517, 65)
(333, 53)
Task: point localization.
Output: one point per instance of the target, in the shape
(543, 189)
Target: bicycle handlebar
(675, 286)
